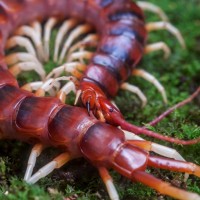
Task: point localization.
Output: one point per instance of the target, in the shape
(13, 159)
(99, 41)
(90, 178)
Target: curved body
(120, 46)
(57, 125)
(78, 139)
(119, 23)
(49, 128)
(47, 121)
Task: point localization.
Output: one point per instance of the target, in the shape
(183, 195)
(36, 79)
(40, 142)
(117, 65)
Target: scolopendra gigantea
(109, 67)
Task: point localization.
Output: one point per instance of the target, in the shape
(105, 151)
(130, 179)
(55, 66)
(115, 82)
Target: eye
(111, 109)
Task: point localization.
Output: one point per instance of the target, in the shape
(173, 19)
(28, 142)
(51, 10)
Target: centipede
(21, 120)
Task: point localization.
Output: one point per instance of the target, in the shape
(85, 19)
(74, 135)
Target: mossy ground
(180, 75)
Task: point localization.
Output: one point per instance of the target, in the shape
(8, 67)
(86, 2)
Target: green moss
(179, 75)
(21, 190)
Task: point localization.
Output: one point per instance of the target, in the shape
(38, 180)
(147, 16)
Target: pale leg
(107, 179)
(156, 47)
(27, 66)
(33, 86)
(81, 29)
(152, 8)
(35, 37)
(35, 152)
(65, 90)
(80, 55)
(135, 90)
(89, 40)
(151, 79)
(166, 26)
(48, 168)
(67, 67)
(66, 26)
(21, 59)
(47, 33)
(21, 56)
(21, 41)
(51, 86)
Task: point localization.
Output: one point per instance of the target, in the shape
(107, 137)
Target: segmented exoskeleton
(44, 120)
(57, 125)
(120, 23)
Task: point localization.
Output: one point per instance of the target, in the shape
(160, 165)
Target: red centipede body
(116, 22)
(119, 23)
(102, 144)
(121, 27)
(119, 50)
(47, 121)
